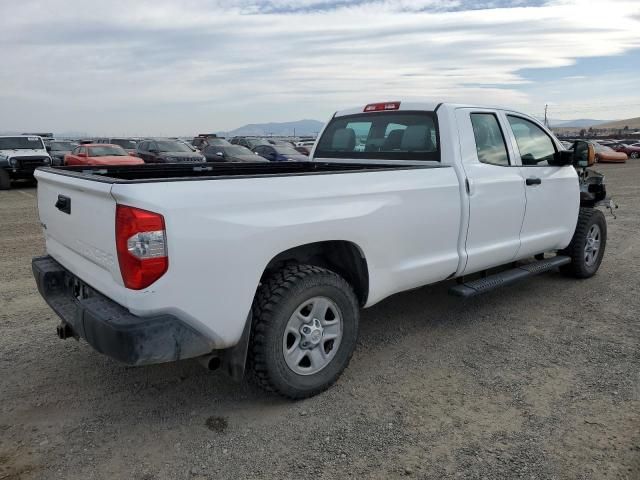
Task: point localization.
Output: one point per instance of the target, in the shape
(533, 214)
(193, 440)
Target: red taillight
(378, 107)
(142, 246)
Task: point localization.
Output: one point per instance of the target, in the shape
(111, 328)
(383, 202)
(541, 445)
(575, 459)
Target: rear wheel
(587, 245)
(305, 330)
(5, 180)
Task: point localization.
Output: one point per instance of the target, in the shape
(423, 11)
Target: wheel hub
(311, 334)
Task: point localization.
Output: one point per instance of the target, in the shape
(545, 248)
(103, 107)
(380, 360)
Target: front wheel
(587, 245)
(304, 332)
(633, 155)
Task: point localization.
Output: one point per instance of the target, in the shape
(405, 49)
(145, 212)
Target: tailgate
(78, 218)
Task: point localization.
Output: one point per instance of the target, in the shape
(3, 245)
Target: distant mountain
(299, 128)
(632, 123)
(578, 123)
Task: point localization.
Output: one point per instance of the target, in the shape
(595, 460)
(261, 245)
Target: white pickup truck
(269, 264)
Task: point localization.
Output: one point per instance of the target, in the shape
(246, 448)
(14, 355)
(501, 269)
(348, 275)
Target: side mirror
(584, 155)
(83, 155)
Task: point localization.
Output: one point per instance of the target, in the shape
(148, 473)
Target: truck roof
(413, 105)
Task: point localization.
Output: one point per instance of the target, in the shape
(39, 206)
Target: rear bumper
(109, 327)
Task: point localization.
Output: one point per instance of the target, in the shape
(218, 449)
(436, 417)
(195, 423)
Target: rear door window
(396, 135)
(490, 143)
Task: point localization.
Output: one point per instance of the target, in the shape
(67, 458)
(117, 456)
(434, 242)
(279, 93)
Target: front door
(552, 192)
(495, 189)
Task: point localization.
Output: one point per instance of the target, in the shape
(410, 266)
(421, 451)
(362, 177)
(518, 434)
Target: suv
(167, 151)
(19, 156)
(58, 149)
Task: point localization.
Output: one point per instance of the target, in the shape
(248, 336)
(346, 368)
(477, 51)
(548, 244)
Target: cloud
(153, 67)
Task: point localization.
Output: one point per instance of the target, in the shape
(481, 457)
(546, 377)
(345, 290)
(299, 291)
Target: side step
(482, 285)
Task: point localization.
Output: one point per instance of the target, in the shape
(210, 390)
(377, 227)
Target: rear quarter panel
(221, 234)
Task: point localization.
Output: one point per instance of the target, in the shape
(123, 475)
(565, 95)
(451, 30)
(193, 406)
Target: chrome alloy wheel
(312, 336)
(592, 245)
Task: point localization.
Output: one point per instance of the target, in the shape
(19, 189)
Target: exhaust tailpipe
(210, 362)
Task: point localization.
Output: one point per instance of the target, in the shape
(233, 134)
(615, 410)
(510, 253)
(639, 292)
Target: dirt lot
(537, 381)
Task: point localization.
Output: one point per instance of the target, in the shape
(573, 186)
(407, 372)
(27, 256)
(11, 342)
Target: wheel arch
(341, 256)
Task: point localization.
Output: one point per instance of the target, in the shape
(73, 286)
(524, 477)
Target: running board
(482, 285)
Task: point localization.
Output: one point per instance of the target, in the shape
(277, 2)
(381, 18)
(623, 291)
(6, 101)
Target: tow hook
(64, 331)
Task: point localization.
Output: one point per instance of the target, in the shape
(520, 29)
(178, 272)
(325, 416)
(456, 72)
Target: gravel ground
(537, 381)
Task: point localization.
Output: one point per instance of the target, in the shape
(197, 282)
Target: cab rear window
(397, 135)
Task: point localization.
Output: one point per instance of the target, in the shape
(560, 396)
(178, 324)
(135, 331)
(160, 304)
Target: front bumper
(109, 327)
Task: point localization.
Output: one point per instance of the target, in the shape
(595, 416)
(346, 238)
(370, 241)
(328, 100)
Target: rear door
(552, 192)
(495, 189)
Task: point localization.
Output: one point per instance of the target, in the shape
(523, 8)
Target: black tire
(5, 180)
(633, 155)
(579, 267)
(276, 301)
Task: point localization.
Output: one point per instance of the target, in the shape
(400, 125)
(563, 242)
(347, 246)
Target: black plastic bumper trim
(109, 327)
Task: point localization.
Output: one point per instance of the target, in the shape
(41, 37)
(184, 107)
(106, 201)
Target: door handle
(533, 181)
(64, 204)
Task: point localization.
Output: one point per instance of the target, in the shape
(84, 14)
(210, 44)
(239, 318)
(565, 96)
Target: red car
(100, 154)
(606, 154)
(632, 150)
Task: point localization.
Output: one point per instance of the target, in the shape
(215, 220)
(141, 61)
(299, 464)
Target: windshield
(286, 150)
(237, 150)
(107, 151)
(167, 146)
(601, 148)
(217, 141)
(21, 143)
(254, 142)
(124, 143)
(394, 135)
(62, 146)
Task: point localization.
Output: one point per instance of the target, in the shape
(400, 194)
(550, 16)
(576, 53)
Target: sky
(160, 67)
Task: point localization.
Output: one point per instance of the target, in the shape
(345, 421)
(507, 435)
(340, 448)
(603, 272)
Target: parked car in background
(100, 154)
(186, 142)
(277, 141)
(128, 144)
(606, 154)
(58, 149)
(202, 141)
(307, 144)
(303, 150)
(167, 151)
(280, 153)
(249, 142)
(231, 153)
(632, 151)
(20, 155)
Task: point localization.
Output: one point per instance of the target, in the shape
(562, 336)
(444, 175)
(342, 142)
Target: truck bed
(212, 171)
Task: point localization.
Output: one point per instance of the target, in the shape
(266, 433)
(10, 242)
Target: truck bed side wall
(222, 234)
